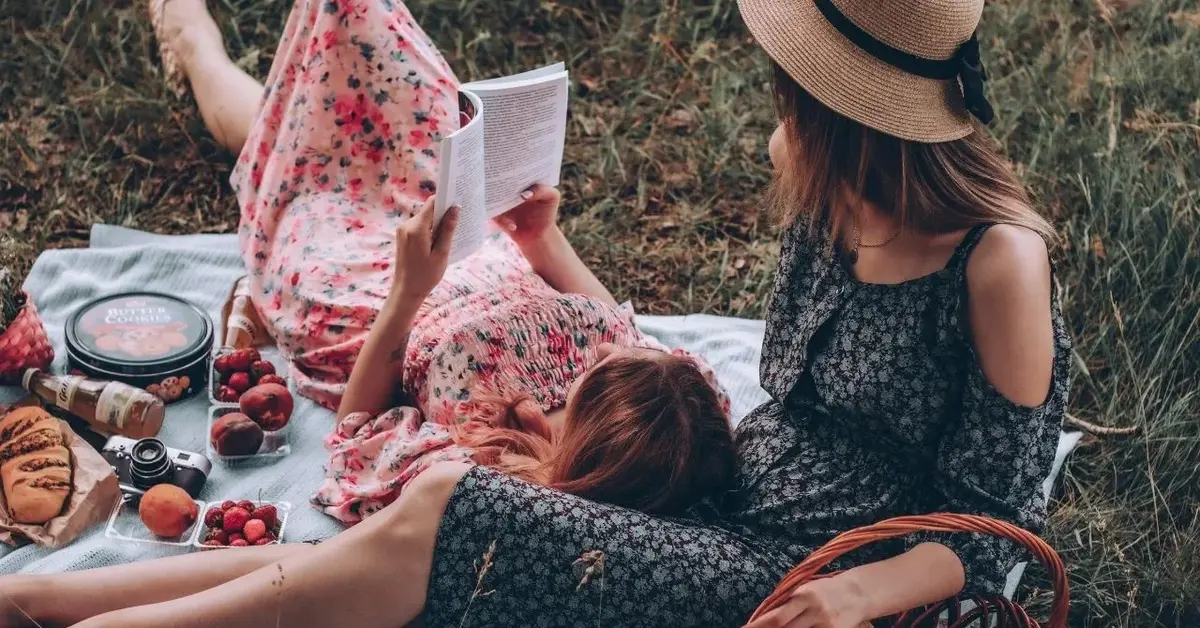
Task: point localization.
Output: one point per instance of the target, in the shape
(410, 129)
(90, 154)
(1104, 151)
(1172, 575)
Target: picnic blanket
(201, 268)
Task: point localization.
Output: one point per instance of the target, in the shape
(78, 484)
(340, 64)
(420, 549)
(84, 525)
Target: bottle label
(64, 391)
(242, 322)
(114, 404)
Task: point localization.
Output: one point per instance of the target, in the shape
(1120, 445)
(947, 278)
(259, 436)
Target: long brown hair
(933, 188)
(648, 433)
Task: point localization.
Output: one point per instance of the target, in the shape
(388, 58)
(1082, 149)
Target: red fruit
(239, 361)
(272, 536)
(253, 355)
(239, 543)
(235, 519)
(219, 535)
(240, 382)
(235, 536)
(227, 394)
(247, 505)
(234, 434)
(167, 510)
(227, 504)
(267, 514)
(271, 379)
(269, 405)
(266, 540)
(213, 543)
(261, 368)
(255, 529)
(213, 517)
(221, 364)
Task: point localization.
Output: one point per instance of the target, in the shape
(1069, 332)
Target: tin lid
(139, 333)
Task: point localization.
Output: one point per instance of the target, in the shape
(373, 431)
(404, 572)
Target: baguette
(35, 465)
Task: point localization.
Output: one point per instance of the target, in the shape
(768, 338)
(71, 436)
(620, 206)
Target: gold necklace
(859, 243)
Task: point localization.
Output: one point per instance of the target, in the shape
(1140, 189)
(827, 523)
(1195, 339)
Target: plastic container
(214, 378)
(145, 339)
(282, 509)
(124, 524)
(275, 444)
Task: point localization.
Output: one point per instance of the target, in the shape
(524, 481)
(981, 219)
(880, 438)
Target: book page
(549, 70)
(461, 180)
(524, 131)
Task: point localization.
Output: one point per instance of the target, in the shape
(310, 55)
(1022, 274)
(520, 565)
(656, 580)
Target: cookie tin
(146, 339)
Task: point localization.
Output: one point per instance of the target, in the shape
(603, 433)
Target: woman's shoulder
(1010, 302)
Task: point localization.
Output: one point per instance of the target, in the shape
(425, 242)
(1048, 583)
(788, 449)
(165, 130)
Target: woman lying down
(517, 359)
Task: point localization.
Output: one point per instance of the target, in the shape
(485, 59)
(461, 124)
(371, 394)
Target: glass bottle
(241, 322)
(108, 407)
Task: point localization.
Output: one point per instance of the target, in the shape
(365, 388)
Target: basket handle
(940, 522)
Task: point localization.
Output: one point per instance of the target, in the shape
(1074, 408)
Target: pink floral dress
(343, 151)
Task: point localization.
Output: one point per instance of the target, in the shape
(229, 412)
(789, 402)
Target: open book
(511, 137)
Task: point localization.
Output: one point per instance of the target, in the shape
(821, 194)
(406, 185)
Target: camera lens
(150, 465)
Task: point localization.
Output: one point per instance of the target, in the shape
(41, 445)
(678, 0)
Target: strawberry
(235, 536)
(248, 505)
(227, 504)
(266, 540)
(240, 382)
(221, 364)
(235, 519)
(239, 543)
(252, 355)
(213, 543)
(261, 368)
(213, 517)
(267, 514)
(217, 534)
(255, 529)
(227, 394)
(272, 379)
(240, 360)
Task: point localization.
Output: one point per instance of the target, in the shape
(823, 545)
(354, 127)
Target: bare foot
(187, 35)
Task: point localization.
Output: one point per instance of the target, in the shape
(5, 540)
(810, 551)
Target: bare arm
(553, 257)
(422, 253)
(380, 365)
(532, 225)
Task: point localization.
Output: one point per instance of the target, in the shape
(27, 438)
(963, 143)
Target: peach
(167, 510)
(236, 435)
(269, 405)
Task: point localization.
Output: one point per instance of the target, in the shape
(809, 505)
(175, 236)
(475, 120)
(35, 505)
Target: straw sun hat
(908, 68)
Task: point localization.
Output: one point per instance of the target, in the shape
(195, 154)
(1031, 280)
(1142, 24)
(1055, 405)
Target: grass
(1099, 107)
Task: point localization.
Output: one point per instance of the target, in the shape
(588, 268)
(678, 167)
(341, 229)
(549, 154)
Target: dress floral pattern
(879, 409)
(343, 151)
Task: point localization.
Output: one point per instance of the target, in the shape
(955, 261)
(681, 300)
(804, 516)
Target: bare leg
(229, 99)
(373, 575)
(97, 591)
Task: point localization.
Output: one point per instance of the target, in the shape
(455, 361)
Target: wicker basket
(24, 345)
(1002, 610)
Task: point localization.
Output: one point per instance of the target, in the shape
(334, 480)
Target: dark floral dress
(879, 409)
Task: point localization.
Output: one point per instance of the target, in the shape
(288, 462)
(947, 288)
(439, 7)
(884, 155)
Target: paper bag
(94, 494)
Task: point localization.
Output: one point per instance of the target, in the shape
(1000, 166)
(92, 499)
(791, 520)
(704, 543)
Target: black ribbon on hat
(965, 65)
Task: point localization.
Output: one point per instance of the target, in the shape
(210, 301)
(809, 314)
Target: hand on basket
(422, 253)
(825, 603)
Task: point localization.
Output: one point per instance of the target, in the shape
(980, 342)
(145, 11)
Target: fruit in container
(254, 530)
(240, 381)
(235, 434)
(167, 510)
(235, 519)
(227, 394)
(267, 514)
(213, 517)
(239, 543)
(272, 379)
(261, 368)
(269, 405)
(222, 364)
(240, 360)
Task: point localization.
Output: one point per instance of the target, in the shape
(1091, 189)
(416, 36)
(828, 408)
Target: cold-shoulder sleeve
(993, 460)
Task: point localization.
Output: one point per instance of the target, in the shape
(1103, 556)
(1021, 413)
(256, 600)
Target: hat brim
(849, 80)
